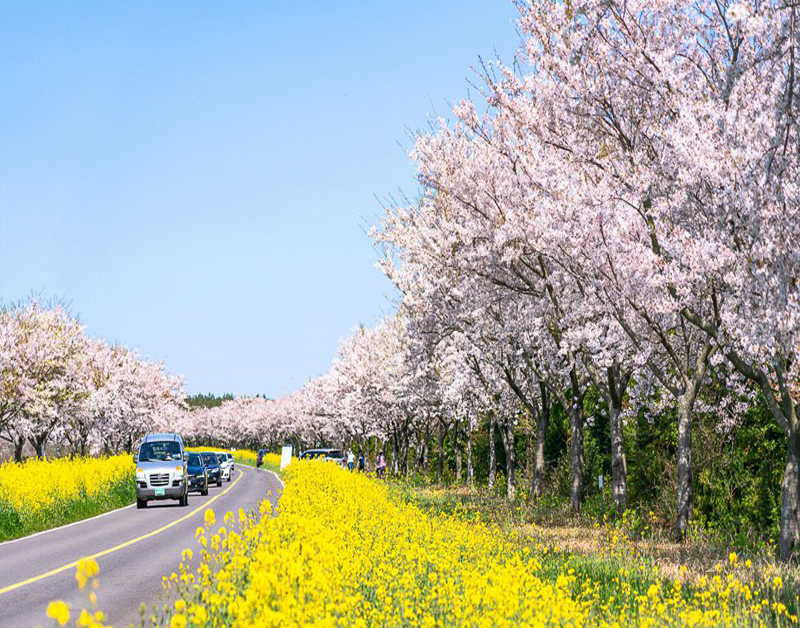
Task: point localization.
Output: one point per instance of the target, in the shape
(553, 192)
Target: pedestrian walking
(351, 459)
(361, 464)
(380, 466)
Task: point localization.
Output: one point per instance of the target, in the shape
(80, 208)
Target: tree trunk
(790, 499)
(619, 467)
(395, 460)
(492, 452)
(19, 445)
(470, 461)
(614, 392)
(511, 464)
(417, 451)
(426, 450)
(685, 497)
(778, 394)
(529, 456)
(457, 452)
(442, 436)
(538, 461)
(507, 434)
(576, 454)
(38, 444)
(404, 444)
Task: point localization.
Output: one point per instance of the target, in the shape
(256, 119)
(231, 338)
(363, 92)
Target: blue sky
(196, 177)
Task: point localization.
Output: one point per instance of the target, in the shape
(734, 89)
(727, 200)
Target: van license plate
(159, 492)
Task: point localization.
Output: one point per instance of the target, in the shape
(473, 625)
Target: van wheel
(184, 501)
(141, 503)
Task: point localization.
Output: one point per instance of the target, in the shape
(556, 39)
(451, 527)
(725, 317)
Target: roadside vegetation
(348, 550)
(598, 541)
(38, 495)
(41, 494)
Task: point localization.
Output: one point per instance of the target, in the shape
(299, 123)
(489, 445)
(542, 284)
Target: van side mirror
(135, 458)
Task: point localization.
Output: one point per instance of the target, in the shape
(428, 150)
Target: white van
(161, 469)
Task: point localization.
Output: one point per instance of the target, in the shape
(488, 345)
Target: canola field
(344, 551)
(41, 494)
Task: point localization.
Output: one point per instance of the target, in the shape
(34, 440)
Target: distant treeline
(209, 400)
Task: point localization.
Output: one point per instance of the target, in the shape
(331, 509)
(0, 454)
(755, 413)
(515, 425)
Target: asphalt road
(134, 549)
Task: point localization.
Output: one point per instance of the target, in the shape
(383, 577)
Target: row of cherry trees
(65, 392)
(254, 423)
(619, 210)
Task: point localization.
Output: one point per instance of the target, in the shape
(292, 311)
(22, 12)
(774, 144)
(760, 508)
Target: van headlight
(139, 473)
(178, 473)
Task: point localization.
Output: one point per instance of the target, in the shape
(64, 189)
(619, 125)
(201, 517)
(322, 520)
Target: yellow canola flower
(41, 490)
(178, 621)
(343, 550)
(89, 566)
(199, 615)
(59, 611)
(273, 459)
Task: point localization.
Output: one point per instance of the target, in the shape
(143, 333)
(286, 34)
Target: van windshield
(159, 451)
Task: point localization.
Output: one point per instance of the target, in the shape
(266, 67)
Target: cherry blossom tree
(686, 113)
(62, 387)
(42, 360)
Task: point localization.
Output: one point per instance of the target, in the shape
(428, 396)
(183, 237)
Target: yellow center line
(116, 548)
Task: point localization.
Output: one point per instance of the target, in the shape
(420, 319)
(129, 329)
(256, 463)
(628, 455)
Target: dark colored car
(260, 457)
(213, 469)
(198, 477)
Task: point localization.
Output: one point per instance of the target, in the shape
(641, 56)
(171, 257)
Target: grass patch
(617, 555)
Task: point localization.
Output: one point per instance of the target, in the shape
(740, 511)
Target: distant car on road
(232, 460)
(213, 468)
(328, 455)
(161, 469)
(198, 476)
(225, 465)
